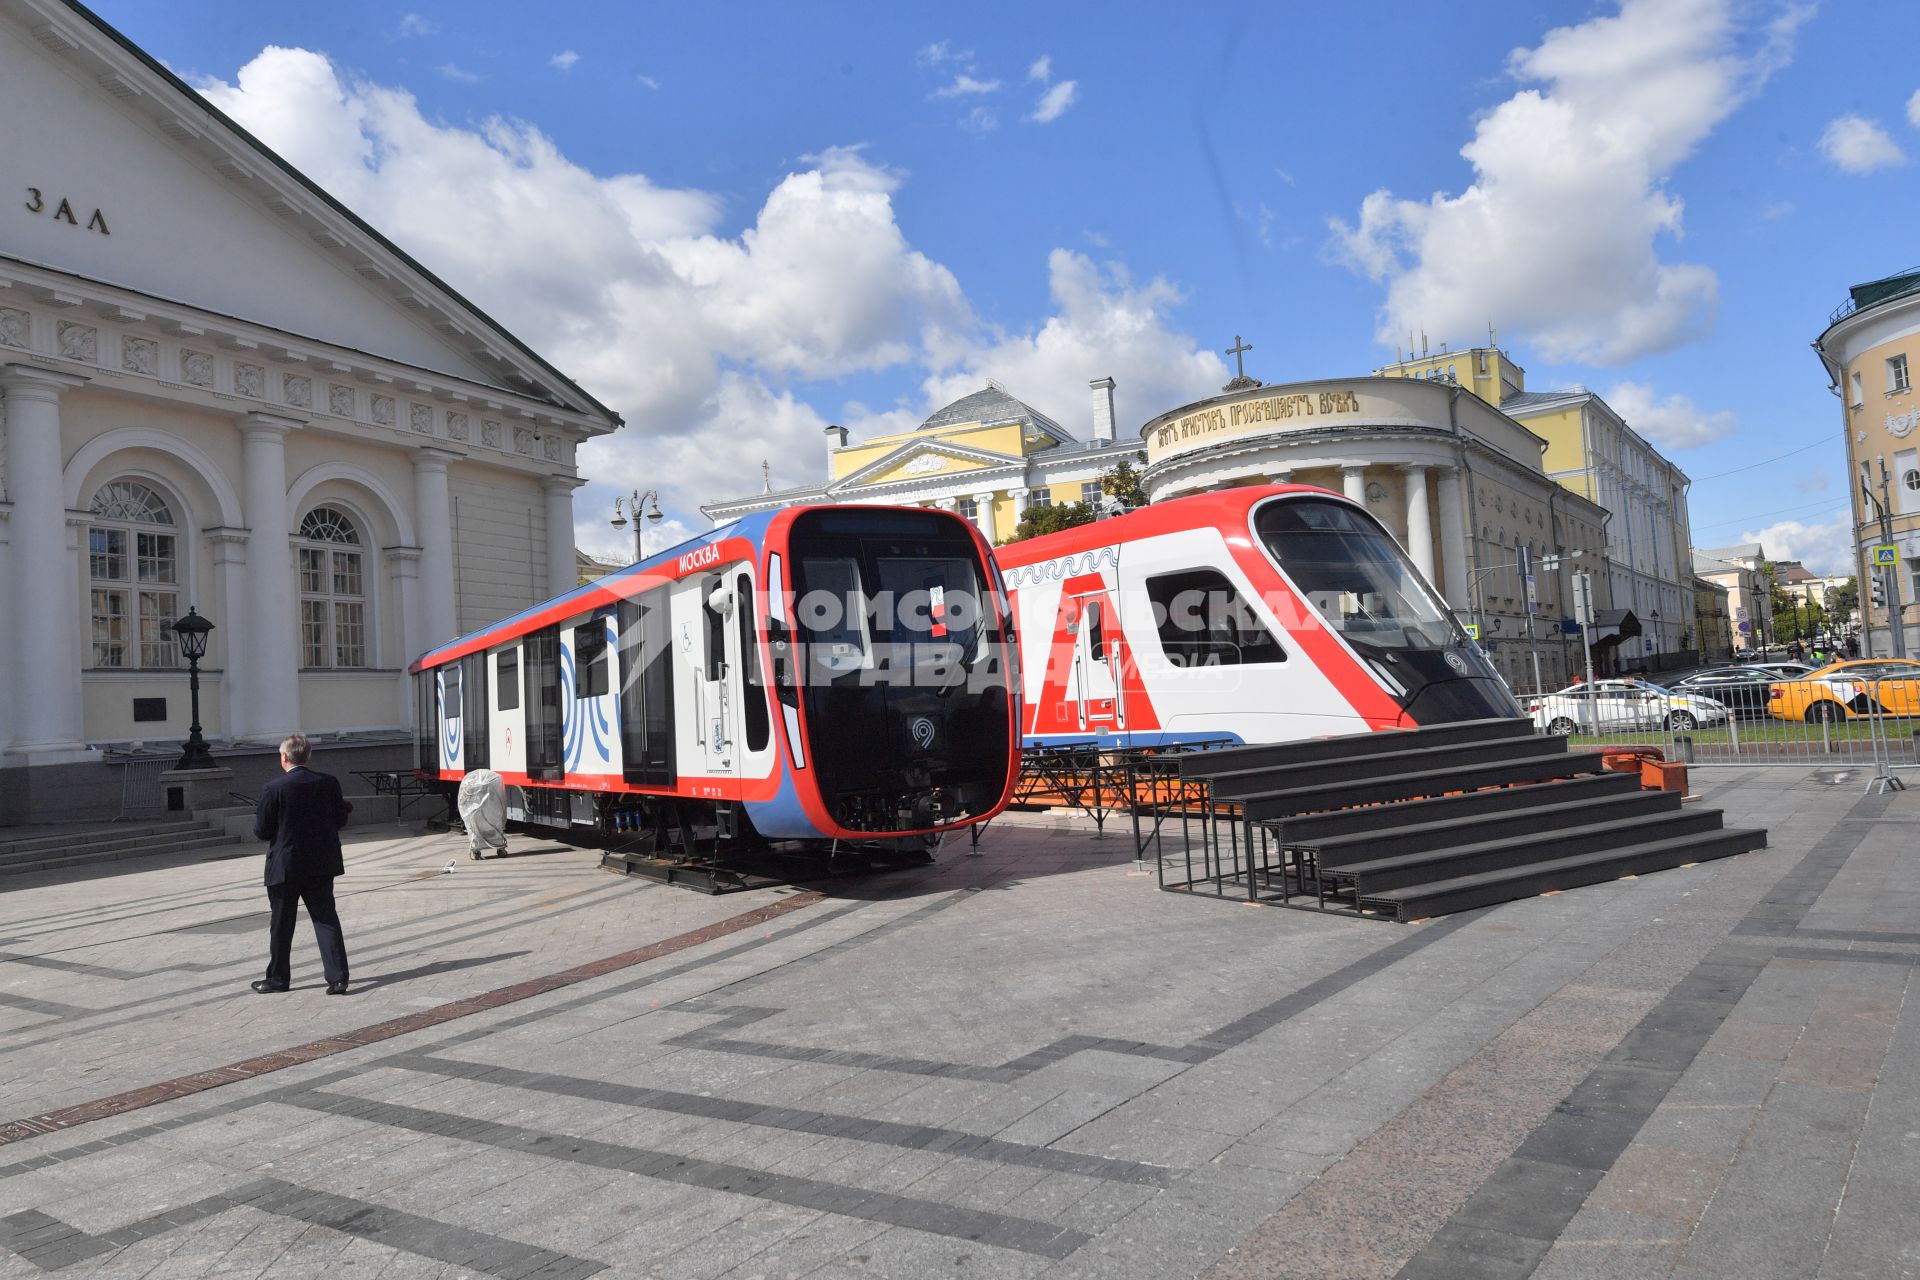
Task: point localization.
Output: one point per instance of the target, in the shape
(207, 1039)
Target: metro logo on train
(1258, 614)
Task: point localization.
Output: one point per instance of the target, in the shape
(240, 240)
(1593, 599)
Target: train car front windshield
(906, 667)
(1362, 585)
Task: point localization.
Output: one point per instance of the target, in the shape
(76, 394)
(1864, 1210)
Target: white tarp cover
(483, 807)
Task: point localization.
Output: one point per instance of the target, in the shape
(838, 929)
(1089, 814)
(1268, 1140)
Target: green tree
(1044, 520)
(1843, 601)
(1123, 483)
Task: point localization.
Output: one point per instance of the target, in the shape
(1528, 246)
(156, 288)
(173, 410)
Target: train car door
(1097, 656)
(717, 676)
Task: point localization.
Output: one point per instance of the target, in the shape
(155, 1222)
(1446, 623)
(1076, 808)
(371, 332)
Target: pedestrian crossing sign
(1473, 629)
(1885, 554)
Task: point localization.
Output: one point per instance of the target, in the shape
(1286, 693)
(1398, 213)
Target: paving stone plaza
(1028, 1062)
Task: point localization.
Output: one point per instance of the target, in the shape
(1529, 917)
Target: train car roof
(1172, 516)
(590, 595)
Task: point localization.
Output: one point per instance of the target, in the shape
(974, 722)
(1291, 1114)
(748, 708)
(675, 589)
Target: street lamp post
(637, 503)
(192, 632)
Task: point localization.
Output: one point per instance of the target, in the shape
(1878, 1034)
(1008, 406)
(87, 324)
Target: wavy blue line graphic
(570, 720)
(450, 725)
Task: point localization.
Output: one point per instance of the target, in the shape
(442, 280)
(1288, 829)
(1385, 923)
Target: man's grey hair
(295, 749)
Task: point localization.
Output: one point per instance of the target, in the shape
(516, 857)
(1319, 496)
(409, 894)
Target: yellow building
(1592, 451)
(988, 456)
(1870, 348)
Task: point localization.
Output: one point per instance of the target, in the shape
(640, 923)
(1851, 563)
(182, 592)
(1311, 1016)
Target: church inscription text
(1198, 426)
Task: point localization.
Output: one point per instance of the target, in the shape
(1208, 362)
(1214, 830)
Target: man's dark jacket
(301, 812)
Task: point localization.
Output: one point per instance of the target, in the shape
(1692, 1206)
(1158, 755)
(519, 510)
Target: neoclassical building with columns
(1460, 484)
(221, 390)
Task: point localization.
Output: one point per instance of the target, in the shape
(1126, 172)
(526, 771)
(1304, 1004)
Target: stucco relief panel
(383, 410)
(420, 417)
(79, 341)
(140, 355)
(340, 401)
(490, 433)
(15, 326)
(249, 380)
(299, 391)
(196, 368)
(456, 426)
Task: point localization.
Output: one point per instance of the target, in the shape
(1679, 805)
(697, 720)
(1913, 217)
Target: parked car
(1785, 670)
(1621, 706)
(1839, 690)
(1742, 690)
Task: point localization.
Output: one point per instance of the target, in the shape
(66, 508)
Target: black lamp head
(192, 631)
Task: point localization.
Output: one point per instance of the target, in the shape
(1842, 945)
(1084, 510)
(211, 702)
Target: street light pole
(637, 504)
(192, 633)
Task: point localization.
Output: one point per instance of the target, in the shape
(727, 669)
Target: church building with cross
(221, 390)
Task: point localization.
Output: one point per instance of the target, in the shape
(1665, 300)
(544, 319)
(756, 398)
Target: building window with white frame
(1897, 375)
(333, 591)
(1090, 493)
(1041, 497)
(967, 509)
(133, 574)
(1859, 396)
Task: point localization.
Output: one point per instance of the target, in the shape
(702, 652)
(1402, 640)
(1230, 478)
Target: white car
(1620, 706)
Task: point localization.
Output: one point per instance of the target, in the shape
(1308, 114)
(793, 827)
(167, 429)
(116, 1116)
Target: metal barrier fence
(141, 795)
(1870, 723)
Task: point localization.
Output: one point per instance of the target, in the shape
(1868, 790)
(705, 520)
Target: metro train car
(1258, 614)
(812, 674)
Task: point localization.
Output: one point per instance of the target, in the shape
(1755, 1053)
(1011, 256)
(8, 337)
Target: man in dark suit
(300, 814)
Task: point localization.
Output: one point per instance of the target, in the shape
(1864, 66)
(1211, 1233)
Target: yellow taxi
(1862, 687)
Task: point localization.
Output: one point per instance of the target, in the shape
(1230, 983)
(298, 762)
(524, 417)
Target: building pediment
(130, 178)
(924, 460)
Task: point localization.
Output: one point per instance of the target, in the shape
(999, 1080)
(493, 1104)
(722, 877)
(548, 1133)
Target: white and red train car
(1257, 614)
(810, 674)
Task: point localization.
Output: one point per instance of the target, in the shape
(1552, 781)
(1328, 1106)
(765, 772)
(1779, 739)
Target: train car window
(506, 679)
(541, 669)
(473, 720)
(1204, 622)
(759, 724)
(1096, 632)
(590, 658)
(426, 722)
(716, 630)
(450, 691)
(1355, 575)
(832, 608)
(646, 689)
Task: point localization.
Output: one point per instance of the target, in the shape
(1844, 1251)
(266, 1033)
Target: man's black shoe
(265, 987)
(336, 988)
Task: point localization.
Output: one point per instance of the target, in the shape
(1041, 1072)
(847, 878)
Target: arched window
(333, 591)
(133, 572)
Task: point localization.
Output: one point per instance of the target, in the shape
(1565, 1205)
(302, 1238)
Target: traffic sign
(1473, 629)
(1745, 627)
(1533, 597)
(1886, 554)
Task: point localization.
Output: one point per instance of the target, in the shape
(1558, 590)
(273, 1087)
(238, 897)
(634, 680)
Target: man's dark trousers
(318, 895)
(300, 813)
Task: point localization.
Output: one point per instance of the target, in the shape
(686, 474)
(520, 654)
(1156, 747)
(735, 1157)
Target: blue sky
(739, 223)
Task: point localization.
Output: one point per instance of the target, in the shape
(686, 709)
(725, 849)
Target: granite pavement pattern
(1028, 1062)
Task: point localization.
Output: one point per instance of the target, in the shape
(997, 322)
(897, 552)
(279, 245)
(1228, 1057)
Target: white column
(1021, 496)
(1453, 538)
(403, 566)
(562, 573)
(228, 548)
(983, 504)
(268, 628)
(44, 594)
(1356, 481)
(1419, 522)
(433, 518)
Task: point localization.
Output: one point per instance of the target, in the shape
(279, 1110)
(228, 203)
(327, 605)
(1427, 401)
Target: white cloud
(1672, 423)
(1824, 546)
(966, 86)
(648, 81)
(1855, 144)
(940, 53)
(980, 120)
(413, 24)
(1103, 325)
(1558, 236)
(454, 72)
(563, 60)
(718, 349)
(1042, 69)
(1054, 102)
(1913, 109)
(1777, 210)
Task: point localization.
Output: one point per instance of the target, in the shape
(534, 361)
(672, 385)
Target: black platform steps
(1413, 823)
